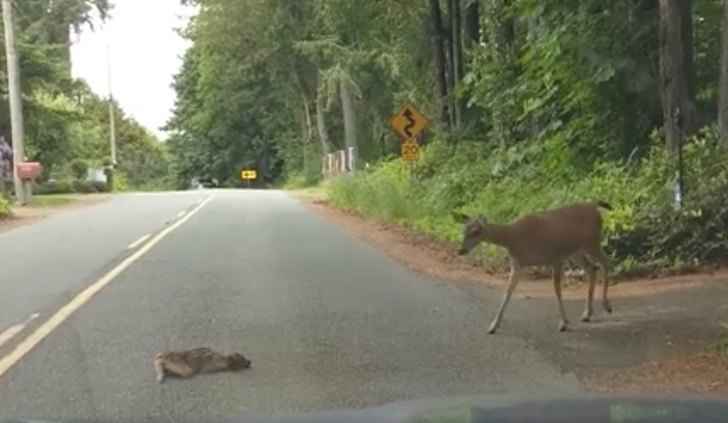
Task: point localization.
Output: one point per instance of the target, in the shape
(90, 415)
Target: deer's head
(473, 231)
(237, 361)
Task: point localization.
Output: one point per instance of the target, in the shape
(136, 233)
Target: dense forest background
(532, 104)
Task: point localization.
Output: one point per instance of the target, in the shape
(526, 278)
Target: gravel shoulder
(45, 206)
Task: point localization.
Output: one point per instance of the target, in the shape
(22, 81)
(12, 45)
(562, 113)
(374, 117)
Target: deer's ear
(460, 217)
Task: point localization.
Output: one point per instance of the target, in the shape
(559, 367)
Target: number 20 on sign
(410, 151)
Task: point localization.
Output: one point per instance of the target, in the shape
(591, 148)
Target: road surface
(328, 321)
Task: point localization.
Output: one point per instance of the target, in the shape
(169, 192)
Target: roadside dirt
(29, 214)
(690, 373)
(438, 259)
(679, 367)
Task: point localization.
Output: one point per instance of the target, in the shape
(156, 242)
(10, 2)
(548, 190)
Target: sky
(145, 53)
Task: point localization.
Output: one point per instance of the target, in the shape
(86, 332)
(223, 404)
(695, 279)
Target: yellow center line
(82, 298)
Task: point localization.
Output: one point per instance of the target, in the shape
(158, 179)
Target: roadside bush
(67, 186)
(644, 231)
(84, 187)
(100, 186)
(158, 184)
(302, 180)
(119, 182)
(63, 186)
(89, 187)
(4, 208)
(79, 168)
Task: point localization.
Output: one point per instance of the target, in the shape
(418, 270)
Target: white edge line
(14, 330)
(45, 329)
(10, 333)
(180, 214)
(138, 242)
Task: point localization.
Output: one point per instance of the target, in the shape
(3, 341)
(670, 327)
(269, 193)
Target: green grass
(53, 200)
(721, 344)
(5, 210)
(318, 191)
(644, 233)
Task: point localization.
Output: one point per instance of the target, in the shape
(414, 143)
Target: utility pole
(16, 104)
(112, 117)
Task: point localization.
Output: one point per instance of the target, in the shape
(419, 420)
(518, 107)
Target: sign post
(409, 123)
(248, 175)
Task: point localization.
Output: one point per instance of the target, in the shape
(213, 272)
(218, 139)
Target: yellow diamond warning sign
(409, 122)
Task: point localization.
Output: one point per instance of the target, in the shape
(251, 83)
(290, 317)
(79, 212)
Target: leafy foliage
(4, 207)
(561, 101)
(249, 85)
(79, 169)
(643, 232)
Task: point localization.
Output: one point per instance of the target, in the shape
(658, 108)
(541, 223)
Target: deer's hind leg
(598, 255)
(583, 261)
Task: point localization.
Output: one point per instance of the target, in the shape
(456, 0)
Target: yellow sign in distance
(410, 151)
(248, 175)
(409, 122)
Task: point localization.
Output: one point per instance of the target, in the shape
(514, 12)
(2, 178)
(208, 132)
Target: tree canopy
(532, 103)
(276, 83)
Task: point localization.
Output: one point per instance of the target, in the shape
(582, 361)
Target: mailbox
(29, 170)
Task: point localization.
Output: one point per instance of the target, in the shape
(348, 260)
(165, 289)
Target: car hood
(502, 409)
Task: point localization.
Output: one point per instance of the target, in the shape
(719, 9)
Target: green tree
(64, 121)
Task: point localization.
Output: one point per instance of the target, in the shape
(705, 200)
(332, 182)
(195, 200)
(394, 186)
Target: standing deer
(548, 238)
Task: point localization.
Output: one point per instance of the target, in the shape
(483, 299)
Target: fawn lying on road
(185, 364)
(547, 238)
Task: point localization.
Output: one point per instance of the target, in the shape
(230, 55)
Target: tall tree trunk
(456, 39)
(686, 17)
(323, 131)
(678, 108)
(347, 105)
(506, 32)
(472, 38)
(505, 46)
(472, 23)
(307, 121)
(450, 60)
(723, 94)
(438, 61)
(307, 128)
(303, 116)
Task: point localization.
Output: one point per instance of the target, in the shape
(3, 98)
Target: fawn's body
(185, 364)
(547, 238)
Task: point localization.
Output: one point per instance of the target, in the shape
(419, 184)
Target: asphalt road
(328, 321)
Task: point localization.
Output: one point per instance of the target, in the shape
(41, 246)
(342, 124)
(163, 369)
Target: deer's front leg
(585, 263)
(557, 273)
(512, 282)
